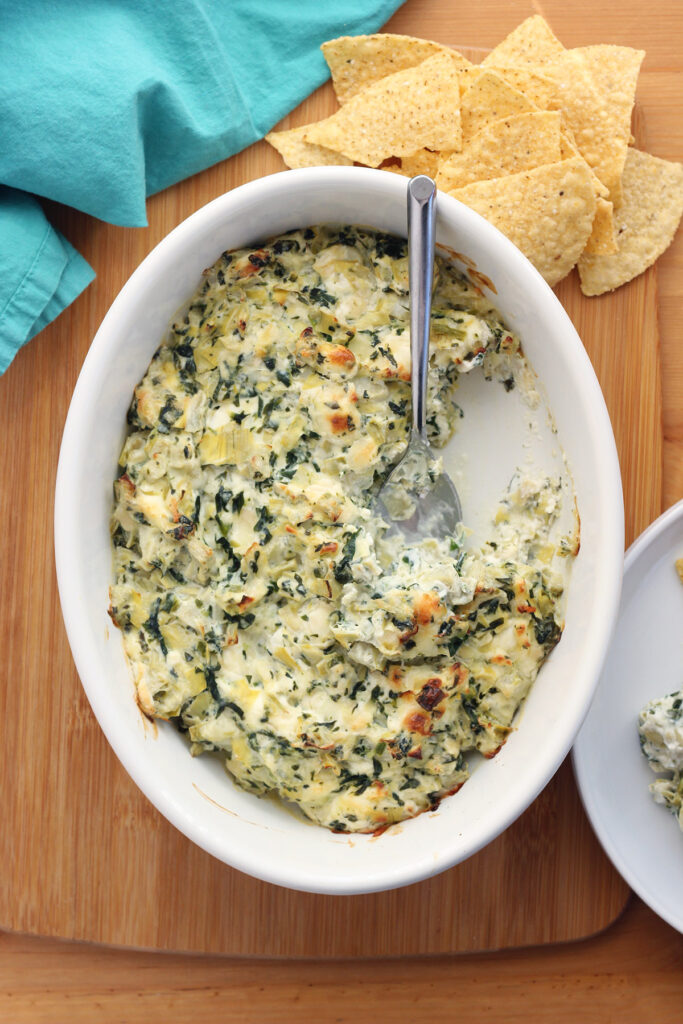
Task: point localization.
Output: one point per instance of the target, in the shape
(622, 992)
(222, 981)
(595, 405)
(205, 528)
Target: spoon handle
(421, 218)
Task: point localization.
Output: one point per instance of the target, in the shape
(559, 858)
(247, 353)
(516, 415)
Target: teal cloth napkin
(104, 102)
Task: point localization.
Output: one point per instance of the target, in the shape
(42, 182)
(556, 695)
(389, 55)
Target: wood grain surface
(629, 975)
(64, 774)
(115, 852)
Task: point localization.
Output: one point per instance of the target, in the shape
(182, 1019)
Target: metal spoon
(418, 502)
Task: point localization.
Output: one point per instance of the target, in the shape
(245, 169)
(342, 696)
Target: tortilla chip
(645, 223)
(410, 110)
(568, 150)
(569, 140)
(531, 44)
(616, 194)
(616, 70)
(357, 61)
(603, 240)
(422, 162)
(513, 144)
(488, 99)
(538, 88)
(296, 152)
(468, 76)
(596, 89)
(547, 212)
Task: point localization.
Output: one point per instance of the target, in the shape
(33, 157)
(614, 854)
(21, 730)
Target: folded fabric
(40, 272)
(107, 101)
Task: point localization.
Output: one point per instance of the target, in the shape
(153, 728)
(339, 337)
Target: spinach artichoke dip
(660, 728)
(660, 731)
(262, 606)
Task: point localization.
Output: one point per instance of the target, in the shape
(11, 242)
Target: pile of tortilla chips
(536, 138)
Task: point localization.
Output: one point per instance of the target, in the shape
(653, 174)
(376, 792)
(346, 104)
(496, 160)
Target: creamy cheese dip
(660, 727)
(262, 607)
(660, 730)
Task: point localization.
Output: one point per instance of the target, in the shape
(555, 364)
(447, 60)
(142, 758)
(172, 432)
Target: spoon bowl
(416, 499)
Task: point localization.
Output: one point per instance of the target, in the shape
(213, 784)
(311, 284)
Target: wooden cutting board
(84, 855)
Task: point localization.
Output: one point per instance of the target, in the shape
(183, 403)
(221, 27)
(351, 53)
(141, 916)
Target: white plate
(645, 660)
